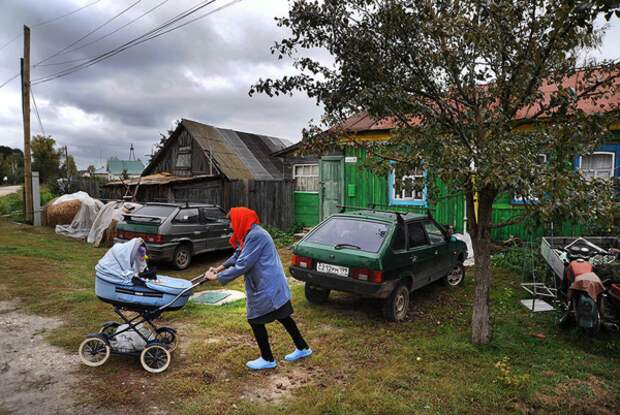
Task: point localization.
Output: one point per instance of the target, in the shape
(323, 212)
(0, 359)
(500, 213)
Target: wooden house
(323, 182)
(207, 164)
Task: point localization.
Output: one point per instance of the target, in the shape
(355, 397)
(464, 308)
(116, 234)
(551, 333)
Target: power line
(171, 21)
(52, 20)
(65, 15)
(156, 32)
(36, 110)
(74, 42)
(102, 37)
(89, 33)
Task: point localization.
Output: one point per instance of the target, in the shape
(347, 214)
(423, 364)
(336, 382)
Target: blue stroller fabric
(117, 281)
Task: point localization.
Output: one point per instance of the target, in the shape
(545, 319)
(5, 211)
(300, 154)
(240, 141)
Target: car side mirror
(453, 238)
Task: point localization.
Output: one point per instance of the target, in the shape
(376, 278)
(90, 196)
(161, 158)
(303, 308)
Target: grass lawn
(361, 363)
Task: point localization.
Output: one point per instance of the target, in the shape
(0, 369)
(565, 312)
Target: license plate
(332, 269)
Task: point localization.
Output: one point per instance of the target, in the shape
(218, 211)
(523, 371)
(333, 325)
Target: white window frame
(295, 176)
(421, 175)
(608, 153)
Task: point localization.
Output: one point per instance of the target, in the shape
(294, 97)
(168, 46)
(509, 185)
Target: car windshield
(345, 233)
(159, 211)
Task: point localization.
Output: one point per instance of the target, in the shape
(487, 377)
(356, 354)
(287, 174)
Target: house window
(407, 187)
(597, 165)
(306, 177)
(184, 158)
(529, 198)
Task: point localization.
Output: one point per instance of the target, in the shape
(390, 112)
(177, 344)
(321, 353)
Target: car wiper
(345, 245)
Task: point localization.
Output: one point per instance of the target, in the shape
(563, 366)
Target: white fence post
(36, 199)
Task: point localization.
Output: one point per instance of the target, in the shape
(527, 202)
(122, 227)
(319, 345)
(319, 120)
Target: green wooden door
(331, 176)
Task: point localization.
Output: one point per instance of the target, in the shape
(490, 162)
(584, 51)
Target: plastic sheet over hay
(104, 224)
(83, 219)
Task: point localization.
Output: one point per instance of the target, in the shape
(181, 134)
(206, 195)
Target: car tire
(455, 277)
(316, 295)
(182, 257)
(396, 306)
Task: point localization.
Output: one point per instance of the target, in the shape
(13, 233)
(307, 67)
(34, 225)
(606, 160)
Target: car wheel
(316, 295)
(396, 306)
(182, 256)
(455, 277)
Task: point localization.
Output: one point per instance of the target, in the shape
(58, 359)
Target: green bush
(13, 205)
(281, 237)
(521, 259)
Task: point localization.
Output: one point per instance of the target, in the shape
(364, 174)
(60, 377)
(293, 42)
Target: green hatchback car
(378, 254)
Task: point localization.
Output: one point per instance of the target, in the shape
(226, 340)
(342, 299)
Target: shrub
(13, 205)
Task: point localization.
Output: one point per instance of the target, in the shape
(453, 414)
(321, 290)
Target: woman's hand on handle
(211, 274)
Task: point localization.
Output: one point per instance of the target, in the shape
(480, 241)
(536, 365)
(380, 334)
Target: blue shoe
(260, 364)
(298, 354)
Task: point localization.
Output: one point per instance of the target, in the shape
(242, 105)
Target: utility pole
(25, 72)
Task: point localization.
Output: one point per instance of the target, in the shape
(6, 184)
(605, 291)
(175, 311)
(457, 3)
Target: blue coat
(266, 287)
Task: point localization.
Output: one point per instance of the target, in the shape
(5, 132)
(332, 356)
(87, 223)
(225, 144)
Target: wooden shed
(207, 164)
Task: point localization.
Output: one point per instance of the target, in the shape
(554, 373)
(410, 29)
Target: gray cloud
(201, 72)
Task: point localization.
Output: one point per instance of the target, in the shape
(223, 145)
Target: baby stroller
(123, 280)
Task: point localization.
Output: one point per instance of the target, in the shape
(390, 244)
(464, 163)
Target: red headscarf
(241, 220)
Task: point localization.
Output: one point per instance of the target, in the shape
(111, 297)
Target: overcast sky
(202, 72)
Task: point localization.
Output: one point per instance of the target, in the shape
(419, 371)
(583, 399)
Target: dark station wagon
(177, 231)
(384, 255)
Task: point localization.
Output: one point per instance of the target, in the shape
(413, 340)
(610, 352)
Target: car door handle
(436, 252)
(413, 258)
(197, 232)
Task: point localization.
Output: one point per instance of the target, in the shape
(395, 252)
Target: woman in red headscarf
(267, 291)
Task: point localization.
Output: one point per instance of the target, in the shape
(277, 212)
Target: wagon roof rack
(373, 208)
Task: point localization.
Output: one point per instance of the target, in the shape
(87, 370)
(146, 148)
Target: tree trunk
(481, 241)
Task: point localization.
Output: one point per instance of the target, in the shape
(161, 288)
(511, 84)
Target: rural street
(7, 190)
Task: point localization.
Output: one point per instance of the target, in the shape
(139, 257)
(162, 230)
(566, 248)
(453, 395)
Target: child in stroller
(124, 280)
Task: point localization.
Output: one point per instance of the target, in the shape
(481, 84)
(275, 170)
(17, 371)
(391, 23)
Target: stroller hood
(119, 264)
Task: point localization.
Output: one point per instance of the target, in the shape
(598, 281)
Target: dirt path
(7, 190)
(35, 377)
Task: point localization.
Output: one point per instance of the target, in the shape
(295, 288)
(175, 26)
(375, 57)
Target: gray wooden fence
(271, 199)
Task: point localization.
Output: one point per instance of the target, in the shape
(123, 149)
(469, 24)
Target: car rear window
(350, 234)
(213, 213)
(155, 210)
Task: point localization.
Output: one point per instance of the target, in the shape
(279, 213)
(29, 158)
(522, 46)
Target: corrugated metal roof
(116, 167)
(239, 155)
(608, 100)
(158, 179)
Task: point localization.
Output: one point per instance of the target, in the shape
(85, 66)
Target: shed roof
(238, 155)
(158, 179)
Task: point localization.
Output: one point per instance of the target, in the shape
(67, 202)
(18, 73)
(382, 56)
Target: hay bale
(108, 234)
(44, 211)
(61, 213)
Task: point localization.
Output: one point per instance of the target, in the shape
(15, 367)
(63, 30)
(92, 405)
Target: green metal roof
(133, 167)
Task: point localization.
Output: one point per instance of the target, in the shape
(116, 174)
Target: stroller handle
(196, 281)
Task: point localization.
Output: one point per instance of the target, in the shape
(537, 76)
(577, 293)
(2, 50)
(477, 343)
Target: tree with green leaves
(69, 168)
(45, 157)
(476, 89)
(11, 164)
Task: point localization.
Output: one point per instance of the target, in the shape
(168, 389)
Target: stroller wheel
(94, 350)
(155, 358)
(109, 328)
(168, 337)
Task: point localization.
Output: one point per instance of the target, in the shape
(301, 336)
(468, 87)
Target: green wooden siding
(306, 208)
(363, 188)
